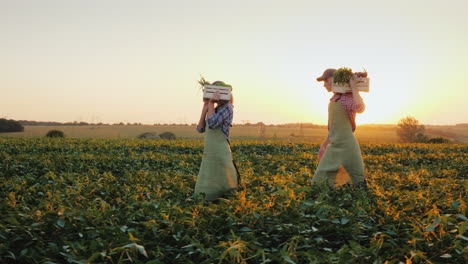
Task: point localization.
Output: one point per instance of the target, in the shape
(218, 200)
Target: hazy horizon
(139, 62)
(235, 123)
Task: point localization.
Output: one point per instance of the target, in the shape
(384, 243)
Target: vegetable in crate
(361, 74)
(342, 76)
(209, 88)
(202, 82)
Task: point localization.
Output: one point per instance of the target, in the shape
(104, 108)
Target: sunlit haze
(139, 61)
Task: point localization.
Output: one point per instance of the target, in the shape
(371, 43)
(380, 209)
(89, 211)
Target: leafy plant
(167, 135)
(55, 134)
(202, 82)
(438, 140)
(342, 76)
(148, 135)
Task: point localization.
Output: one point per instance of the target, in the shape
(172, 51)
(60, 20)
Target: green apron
(342, 161)
(217, 175)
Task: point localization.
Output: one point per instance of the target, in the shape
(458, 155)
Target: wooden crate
(362, 85)
(224, 92)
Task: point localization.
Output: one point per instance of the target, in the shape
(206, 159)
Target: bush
(148, 135)
(167, 135)
(421, 138)
(438, 140)
(55, 134)
(10, 126)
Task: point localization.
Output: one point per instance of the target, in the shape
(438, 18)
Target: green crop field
(130, 201)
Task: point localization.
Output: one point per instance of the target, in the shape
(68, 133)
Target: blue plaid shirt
(221, 118)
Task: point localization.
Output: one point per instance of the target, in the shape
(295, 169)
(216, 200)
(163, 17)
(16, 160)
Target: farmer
(218, 175)
(340, 155)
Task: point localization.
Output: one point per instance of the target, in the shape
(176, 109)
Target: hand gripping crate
(224, 92)
(362, 85)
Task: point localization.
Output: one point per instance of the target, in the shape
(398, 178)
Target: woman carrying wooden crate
(340, 154)
(218, 175)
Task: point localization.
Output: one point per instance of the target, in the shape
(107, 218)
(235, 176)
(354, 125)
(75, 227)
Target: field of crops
(364, 135)
(368, 134)
(130, 201)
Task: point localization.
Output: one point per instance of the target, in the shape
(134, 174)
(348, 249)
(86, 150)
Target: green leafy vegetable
(342, 76)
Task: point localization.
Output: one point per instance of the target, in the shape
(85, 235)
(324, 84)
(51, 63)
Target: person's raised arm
(202, 122)
(211, 107)
(357, 99)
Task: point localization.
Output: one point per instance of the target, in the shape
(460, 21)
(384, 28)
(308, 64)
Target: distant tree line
(8, 125)
(287, 125)
(76, 123)
(49, 123)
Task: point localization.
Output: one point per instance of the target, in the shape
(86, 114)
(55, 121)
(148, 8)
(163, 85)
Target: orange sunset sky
(139, 61)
